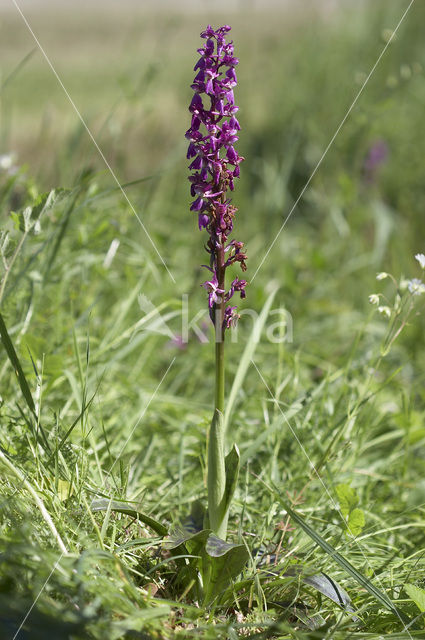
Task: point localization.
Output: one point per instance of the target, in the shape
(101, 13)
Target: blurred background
(128, 66)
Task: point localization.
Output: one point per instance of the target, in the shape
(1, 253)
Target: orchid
(215, 164)
(215, 167)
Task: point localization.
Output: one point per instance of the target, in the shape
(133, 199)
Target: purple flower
(213, 290)
(231, 317)
(377, 155)
(212, 136)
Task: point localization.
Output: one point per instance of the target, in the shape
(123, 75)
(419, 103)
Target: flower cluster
(212, 134)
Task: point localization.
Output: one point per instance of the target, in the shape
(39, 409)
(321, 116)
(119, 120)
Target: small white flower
(386, 311)
(374, 298)
(6, 161)
(416, 287)
(420, 257)
(382, 275)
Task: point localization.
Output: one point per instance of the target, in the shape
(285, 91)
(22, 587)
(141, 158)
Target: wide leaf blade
(223, 562)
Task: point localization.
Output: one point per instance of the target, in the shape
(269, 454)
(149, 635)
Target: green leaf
(129, 510)
(216, 476)
(323, 583)
(417, 595)
(192, 541)
(331, 589)
(64, 489)
(10, 350)
(195, 521)
(219, 562)
(356, 522)
(46, 201)
(13, 357)
(231, 465)
(222, 563)
(348, 498)
(27, 218)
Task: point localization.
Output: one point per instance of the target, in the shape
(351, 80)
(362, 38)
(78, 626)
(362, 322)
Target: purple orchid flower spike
(215, 164)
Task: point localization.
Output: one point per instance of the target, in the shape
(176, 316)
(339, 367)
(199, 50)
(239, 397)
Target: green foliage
(417, 595)
(348, 500)
(213, 563)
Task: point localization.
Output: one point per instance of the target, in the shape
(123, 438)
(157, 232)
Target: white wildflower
(386, 311)
(6, 161)
(382, 275)
(416, 287)
(374, 298)
(420, 257)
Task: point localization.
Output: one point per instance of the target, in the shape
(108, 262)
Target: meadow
(107, 356)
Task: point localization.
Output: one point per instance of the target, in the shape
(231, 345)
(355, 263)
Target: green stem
(216, 481)
(219, 376)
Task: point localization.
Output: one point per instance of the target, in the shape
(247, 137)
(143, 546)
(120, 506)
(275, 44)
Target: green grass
(121, 413)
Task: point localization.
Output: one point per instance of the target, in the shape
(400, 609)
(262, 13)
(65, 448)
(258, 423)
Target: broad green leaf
(129, 510)
(195, 522)
(222, 563)
(216, 547)
(323, 583)
(192, 541)
(331, 589)
(356, 522)
(347, 497)
(417, 595)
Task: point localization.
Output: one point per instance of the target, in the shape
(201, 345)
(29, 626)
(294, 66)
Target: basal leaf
(195, 521)
(130, 510)
(192, 541)
(222, 563)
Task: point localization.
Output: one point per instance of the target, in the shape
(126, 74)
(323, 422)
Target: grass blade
(247, 356)
(339, 559)
(13, 357)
